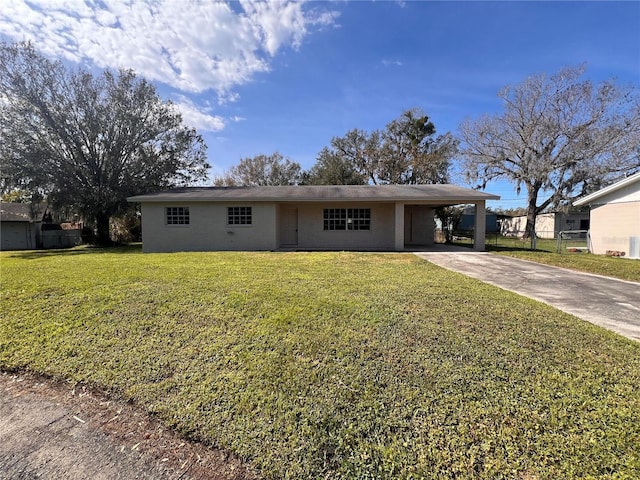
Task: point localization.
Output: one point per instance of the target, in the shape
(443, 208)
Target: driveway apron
(608, 302)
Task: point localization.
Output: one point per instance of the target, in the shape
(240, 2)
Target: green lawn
(332, 365)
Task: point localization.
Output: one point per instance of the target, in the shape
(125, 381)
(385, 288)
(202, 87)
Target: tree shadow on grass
(81, 250)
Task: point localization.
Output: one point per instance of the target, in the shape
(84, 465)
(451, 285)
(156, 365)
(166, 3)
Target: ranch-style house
(332, 217)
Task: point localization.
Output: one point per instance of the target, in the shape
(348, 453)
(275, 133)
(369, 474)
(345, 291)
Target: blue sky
(255, 78)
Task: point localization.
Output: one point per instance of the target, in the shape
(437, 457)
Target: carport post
(399, 227)
(480, 227)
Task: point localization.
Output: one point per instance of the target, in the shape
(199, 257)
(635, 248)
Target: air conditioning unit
(634, 247)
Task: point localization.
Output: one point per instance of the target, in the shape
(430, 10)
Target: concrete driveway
(608, 302)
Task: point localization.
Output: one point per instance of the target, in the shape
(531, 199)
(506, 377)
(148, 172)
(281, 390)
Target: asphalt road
(56, 431)
(605, 301)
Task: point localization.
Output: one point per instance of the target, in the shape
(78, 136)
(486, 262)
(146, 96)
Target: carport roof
(434, 194)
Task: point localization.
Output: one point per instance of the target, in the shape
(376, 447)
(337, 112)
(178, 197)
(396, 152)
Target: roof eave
(453, 200)
(588, 199)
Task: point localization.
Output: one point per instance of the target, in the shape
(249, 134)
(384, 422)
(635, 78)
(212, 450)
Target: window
(358, 218)
(335, 219)
(238, 215)
(347, 218)
(177, 215)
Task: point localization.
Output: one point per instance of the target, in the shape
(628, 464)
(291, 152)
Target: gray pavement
(52, 430)
(46, 441)
(605, 301)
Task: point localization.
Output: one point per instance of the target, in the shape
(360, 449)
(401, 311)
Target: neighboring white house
(18, 231)
(548, 225)
(615, 217)
(332, 217)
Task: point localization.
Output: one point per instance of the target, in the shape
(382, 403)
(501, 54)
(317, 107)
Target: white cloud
(200, 118)
(191, 45)
(276, 23)
(392, 63)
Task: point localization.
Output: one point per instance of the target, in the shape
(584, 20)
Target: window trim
(244, 212)
(175, 214)
(345, 219)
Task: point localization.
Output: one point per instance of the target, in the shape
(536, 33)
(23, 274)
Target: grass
(332, 365)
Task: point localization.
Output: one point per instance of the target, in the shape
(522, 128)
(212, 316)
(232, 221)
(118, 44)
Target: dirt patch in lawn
(51, 429)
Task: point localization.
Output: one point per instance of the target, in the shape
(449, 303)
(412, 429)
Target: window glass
(359, 218)
(347, 219)
(177, 215)
(335, 219)
(239, 216)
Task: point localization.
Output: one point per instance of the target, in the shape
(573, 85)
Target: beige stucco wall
(545, 225)
(548, 225)
(311, 234)
(612, 225)
(515, 226)
(208, 229)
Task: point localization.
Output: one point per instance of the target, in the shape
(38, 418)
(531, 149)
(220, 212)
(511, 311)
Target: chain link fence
(569, 241)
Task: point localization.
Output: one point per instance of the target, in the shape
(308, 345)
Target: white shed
(17, 229)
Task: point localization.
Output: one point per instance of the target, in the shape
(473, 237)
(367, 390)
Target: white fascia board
(607, 190)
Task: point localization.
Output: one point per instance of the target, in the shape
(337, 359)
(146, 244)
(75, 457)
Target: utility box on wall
(634, 247)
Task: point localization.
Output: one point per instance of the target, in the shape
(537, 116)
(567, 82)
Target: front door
(410, 215)
(289, 226)
(418, 225)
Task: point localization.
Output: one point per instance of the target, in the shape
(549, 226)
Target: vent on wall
(634, 247)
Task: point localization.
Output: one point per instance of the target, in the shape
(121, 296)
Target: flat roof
(449, 194)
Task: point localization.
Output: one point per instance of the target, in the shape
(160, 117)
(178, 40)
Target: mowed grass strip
(332, 365)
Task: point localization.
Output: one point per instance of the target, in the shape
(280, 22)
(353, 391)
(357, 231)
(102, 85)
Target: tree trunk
(532, 212)
(102, 229)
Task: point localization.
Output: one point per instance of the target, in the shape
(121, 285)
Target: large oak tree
(407, 151)
(262, 170)
(333, 169)
(88, 141)
(558, 137)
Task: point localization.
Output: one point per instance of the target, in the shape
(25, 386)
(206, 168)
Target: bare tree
(87, 142)
(262, 170)
(558, 136)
